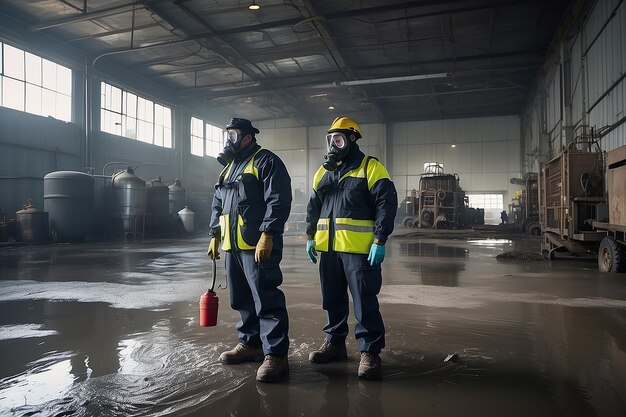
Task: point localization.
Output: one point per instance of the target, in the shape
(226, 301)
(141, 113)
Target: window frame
(129, 109)
(35, 85)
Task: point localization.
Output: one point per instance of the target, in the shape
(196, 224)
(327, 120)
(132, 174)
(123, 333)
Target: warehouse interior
(506, 98)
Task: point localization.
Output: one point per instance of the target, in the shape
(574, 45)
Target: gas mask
(232, 144)
(337, 145)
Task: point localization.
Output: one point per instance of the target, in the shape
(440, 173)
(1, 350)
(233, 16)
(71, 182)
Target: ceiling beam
(94, 14)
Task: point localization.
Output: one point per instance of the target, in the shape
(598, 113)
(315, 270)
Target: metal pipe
(383, 80)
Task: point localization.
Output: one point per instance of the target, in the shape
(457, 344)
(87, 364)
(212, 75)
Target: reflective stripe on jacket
(351, 206)
(252, 195)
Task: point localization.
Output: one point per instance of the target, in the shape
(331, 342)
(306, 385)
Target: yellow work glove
(213, 252)
(263, 248)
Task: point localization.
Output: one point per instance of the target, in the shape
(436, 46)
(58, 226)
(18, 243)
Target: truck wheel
(533, 229)
(610, 256)
(409, 223)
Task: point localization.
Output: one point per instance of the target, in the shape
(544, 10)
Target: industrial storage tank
(32, 224)
(69, 200)
(157, 198)
(177, 197)
(128, 199)
(157, 205)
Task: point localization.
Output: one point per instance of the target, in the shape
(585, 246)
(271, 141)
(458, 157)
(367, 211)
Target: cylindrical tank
(128, 200)
(68, 199)
(102, 204)
(157, 198)
(187, 216)
(177, 197)
(32, 224)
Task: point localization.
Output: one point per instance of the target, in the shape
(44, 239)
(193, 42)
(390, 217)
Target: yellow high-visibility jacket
(252, 195)
(351, 206)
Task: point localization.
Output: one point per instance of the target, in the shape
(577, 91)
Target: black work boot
(242, 353)
(329, 352)
(273, 369)
(369, 367)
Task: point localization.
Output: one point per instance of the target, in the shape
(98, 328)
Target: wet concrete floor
(112, 330)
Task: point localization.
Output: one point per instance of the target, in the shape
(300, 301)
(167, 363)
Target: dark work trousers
(338, 273)
(254, 293)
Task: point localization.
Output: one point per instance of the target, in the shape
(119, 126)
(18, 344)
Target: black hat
(242, 124)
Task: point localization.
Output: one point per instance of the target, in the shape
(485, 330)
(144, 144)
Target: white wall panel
(486, 153)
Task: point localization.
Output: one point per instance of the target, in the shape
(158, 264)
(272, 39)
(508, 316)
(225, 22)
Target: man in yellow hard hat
(251, 204)
(350, 215)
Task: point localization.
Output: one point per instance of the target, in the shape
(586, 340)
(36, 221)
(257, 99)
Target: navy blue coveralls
(253, 195)
(350, 195)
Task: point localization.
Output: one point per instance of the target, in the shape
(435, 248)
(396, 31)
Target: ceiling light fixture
(453, 146)
(254, 6)
(331, 107)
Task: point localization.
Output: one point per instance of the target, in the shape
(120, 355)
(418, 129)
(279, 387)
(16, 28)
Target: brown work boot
(242, 353)
(329, 352)
(369, 367)
(273, 369)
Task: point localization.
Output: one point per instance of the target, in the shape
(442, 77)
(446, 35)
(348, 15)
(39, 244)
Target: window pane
(167, 137)
(13, 94)
(196, 146)
(13, 62)
(33, 99)
(167, 117)
(116, 100)
(64, 107)
(131, 105)
(158, 135)
(49, 74)
(129, 128)
(144, 131)
(196, 127)
(158, 114)
(33, 70)
(111, 122)
(48, 103)
(64, 80)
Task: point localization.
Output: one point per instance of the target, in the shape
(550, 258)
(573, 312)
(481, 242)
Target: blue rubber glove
(310, 250)
(377, 254)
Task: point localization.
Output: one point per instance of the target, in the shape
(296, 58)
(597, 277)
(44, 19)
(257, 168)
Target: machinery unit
(443, 203)
(612, 252)
(525, 204)
(408, 210)
(571, 187)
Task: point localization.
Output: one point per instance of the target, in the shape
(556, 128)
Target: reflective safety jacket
(351, 206)
(252, 195)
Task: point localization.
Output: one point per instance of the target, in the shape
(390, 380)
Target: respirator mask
(337, 145)
(232, 144)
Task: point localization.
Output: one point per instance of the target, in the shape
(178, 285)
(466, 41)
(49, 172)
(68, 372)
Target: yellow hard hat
(345, 123)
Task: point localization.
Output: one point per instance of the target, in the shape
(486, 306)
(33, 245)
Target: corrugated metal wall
(30, 147)
(593, 94)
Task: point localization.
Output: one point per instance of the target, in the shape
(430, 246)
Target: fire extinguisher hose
(213, 275)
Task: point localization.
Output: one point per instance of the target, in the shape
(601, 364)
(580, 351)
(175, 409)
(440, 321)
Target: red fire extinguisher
(209, 303)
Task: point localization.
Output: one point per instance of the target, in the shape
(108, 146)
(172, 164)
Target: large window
(34, 85)
(206, 139)
(126, 114)
(493, 204)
